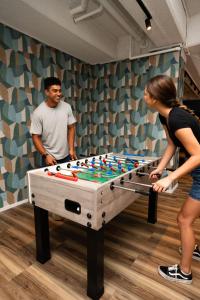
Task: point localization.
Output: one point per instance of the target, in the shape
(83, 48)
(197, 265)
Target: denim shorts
(195, 189)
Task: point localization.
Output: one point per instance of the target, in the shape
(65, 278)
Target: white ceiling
(115, 31)
(192, 7)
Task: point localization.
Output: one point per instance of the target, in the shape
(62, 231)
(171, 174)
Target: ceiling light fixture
(147, 13)
(148, 24)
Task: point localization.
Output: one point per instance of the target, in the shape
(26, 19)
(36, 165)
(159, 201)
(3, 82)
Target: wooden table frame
(95, 245)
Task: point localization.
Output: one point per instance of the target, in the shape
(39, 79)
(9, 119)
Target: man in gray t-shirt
(53, 126)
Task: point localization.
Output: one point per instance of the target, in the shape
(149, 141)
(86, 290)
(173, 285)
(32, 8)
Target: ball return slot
(73, 206)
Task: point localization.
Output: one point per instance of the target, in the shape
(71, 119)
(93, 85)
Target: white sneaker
(174, 273)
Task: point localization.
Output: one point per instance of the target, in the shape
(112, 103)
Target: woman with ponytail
(182, 129)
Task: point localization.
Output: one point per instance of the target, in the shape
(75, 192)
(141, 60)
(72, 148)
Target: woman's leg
(186, 217)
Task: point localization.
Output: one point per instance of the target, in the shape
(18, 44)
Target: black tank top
(179, 118)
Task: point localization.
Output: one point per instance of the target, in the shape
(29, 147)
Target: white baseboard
(9, 206)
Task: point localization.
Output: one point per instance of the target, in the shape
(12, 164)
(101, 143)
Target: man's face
(54, 94)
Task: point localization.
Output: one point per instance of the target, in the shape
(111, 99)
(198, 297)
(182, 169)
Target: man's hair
(49, 81)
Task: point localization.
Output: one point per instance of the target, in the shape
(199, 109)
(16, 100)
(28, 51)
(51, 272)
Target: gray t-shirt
(51, 124)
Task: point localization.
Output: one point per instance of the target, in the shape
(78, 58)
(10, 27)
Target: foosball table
(90, 191)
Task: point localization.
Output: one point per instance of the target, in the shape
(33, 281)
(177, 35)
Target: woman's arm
(192, 146)
(169, 152)
(190, 143)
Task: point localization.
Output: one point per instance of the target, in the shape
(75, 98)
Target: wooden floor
(133, 250)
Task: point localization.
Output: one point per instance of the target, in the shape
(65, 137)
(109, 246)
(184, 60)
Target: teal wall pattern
(24, 62)
(107, 101)
(120, 120)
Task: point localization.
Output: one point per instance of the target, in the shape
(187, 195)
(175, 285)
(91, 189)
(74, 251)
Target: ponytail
(176, 103)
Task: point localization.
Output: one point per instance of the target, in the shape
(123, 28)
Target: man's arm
(71, 137)
(50, 160)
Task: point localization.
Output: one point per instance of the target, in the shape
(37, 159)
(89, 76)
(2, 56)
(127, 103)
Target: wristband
(44, 156)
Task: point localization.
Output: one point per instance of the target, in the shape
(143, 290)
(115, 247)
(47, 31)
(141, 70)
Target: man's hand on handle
(72, 154)
(50, 160)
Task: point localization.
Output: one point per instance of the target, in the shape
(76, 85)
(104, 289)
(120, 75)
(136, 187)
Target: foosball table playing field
(90, 191)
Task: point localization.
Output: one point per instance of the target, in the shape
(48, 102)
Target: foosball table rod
(122, 181)
(113, 186)
(152, 197)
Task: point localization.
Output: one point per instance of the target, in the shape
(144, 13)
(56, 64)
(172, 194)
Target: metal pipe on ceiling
(109, 8)
(89, 14)
(80, 8)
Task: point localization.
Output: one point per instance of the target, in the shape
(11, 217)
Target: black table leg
(95, 263)
(152, 208)
(42, 234)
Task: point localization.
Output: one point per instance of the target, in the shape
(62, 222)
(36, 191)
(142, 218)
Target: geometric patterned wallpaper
(107, 101)
(24, 62)
(120, 120)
